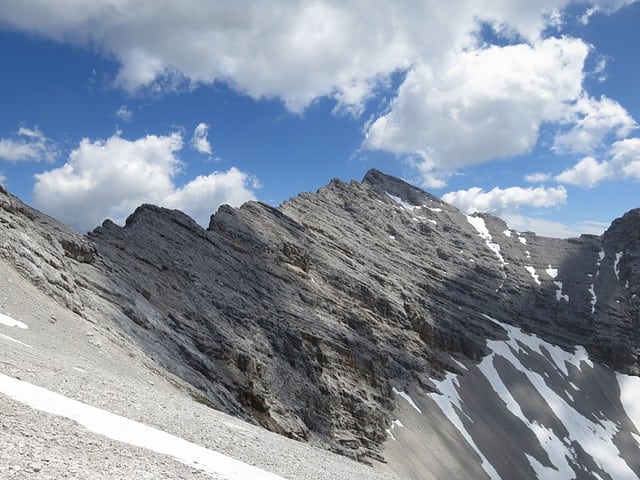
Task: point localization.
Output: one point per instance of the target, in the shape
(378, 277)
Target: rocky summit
(374, 320)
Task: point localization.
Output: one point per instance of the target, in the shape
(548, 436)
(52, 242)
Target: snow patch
(615, 264)
(507, 233)
(433, 221)
(630, 398)
(533, 273)
(594, 298)
(11, 339)
(402, 203)
(522, 240)
(7, 321)
(407, 398)
(595, 437)
(433, 209)
(481, 228)
(131, 432)
(459, 363)
(446, 401)
(552, 272)
(394, 424)
(559, 294)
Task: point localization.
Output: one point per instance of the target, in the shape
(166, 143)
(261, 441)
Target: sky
(524, 109)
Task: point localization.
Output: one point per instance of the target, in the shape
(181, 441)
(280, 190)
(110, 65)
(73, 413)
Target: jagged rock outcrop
(304, 318)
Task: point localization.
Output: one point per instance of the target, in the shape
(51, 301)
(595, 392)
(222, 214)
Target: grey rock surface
(92, 363)
(303, 318)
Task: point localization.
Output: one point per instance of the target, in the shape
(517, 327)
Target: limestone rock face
(305, 318)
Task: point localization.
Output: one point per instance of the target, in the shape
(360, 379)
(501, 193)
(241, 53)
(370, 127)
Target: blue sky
(527, 110)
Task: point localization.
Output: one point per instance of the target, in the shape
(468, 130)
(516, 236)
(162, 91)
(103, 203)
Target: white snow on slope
(402, 203)
(128, 431)
(594, 298)
(630, 398)
(533, 273)
(559, 294)
(552, 272)
(434, 209)
(446, 402)
(481, 228)
(7, 321)
(507, 233)
(522, 240)
(546, 437)
(596, 438)
(407, 398)
(616, 263)
(394, 424)
(11, 339)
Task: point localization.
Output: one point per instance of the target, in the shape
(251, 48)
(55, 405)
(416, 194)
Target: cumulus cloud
(483, 104)
(291, 49)
(28, 145)
(110, 178)
(460, 101)
(202, 195)
(625, 158)
(199, 141)
(499, 200)
(588, 172)
(623, 162)
(592, 121)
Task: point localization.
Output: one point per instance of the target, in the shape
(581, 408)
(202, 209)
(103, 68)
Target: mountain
(374, 320)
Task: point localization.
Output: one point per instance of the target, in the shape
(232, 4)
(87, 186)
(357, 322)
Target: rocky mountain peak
(309, 318)
(399, 188)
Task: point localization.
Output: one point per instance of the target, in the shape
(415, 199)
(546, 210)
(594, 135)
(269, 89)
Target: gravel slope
(98, 366)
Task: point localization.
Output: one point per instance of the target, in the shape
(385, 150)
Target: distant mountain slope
(309, 318)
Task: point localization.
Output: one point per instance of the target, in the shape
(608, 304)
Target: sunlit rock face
(376, 320)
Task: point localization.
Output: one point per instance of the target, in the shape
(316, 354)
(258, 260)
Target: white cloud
(291, 49)
(625, 158)
(199, 141)
(110, 178)
(481, 104)
(604, 7)
(588, 172)
(623, 163)
(202, 195)
(537, 177)
(461, 102)
(506, 203)
(28, 145)
(499, 201)
(124, 113)
(593, 121)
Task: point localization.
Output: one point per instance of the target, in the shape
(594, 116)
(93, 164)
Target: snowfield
(576, 425)
(131, 432)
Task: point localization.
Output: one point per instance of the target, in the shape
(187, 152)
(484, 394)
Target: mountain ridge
(308, 318)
